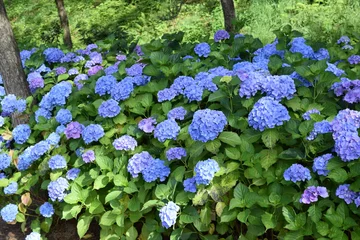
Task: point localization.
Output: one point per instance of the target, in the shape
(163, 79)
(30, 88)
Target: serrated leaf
(230, 138)
(270, 137)
(213, 146)
(268, 220)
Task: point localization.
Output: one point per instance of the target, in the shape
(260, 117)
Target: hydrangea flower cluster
(320, 164)
(122, 90)
(57, 189)
(109, 109)
(53, 55)
(297, 172)
(306, 115)
(47, 209)
(92, 133)
(312, 193)
(298, 45)
(177, 113)
(202, 49)
(351, 89)
(343, 39)
(334, 69)
(354, 59)
(167, 129)
(72, 174)
(175, 153)
(56, 96)
(190, 185)
(78, 80)
(21, 133)
(319, 128)
(57, 162)
(10, 104)
(33, 236)
(11, 188)
(205, 171)
(5, 161)
(63, 116)
(9, 212)
(344, 192)
(53, 139)
(125, 143)
(147, 124)
(88, 156)
(168, 214)
(105, 84)
(221, 35)
(207, 124)
(267, 113)
(150, 168)
(73, 130)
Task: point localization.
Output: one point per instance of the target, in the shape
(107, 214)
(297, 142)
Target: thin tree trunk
(64, 22)
(229, 14)
(10, 65)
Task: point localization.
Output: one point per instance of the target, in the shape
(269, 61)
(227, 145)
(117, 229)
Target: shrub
(182, 155)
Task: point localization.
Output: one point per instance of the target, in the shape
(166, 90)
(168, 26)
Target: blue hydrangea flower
(79, 151)
(88, 156)
(109, 109)
(135, 70)
(322, 54)
(138, 50)
(252, 82)
(47, 209)
(221, 35)
(347, 145)
(205, 171)
(112, 69)
(105, 84)
(138, 163)
(147, 124)
(125, 143)
(302, 80)
(354, 59)
(312, 193)
(357, 201)
(72, 174)
(21, 133)
(320, 164)
(207, 125)
(297, 172)
(156, 170)
(9, 212)
(78, 79)
(344, 192)
(25, 159)
(53, 55)
(36, 83)
(306, 115)
(167, 129)
(168, 214)
(347, 47)
(11, 188)
(73, 71)
(57, 189)
(181, 83)
(204, 80)
(63, 116)
(5, 161)
(193, 92)
(10, 104)
(175, 153)
(92, 133)
(33, 236)
(190, 185)
(335, 70)
(123, 89)
(53, 139)
(60, 129)
(187, 57)
(60, 70)
(39, 149)
(202, 49)
(267, 113)
(319, 128)
(166, 94)
(2, 175)
(298, 45)
(57, 162)
(269, 50)
(279, 87)
(43, 113)
(56, 96)
(141, 80)
(343, 39)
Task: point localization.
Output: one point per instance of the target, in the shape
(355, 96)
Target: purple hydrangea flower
(138, 50)
(190, 185)
(312, 193)
(21, 133)
(205, 171)
(9, 212)
(175, 153)
(221, 35)
(57, 162)
(78, 78)
(202, 49)
(207, 125)
(147, 124)
(344, 192)
(121, 57)
(138, 163)
(167, 129)
(320, 164)
(60, 70)
(94, 70)
(354, 59)
(73, 173)
(168, 214)
(73, 130)
(57, 189)
(92, 133)
(109, 109)
(36, 83)
(125, 143)
(47, 209)
(297, 172)
(88, 156)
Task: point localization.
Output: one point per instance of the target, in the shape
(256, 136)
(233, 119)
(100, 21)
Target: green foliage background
(36, 22)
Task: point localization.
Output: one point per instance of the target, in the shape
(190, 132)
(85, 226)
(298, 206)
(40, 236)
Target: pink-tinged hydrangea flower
(73, 130)
(147, 124)
(207, 125)
(167, 129)
(125, 143)
(205, 171)
(312, 193)
(168, 214)
(268, 113)
(297, 172)
(88, 156)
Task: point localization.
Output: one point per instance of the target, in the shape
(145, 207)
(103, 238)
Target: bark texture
(229, 14)
(11, 69)
(64, 22)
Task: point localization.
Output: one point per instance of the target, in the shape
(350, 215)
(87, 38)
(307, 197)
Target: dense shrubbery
(220, 139)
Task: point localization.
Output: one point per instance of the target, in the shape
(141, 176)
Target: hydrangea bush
(221, 139)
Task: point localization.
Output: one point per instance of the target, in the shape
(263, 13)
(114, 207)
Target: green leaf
(275, 63)
(232, 153)
(131, 188)
(112, 195)
(178, 173)
(20, 217)
(120, 180)
(176, 234)
(151, 203)
(270, 137)
(339, 175)
(159, 58)
(162, 191)
(101, 182)
(205, 216)
(243, 215)
(240, 191)
(322, 228)
(289, 214)
(228, 215)
(213, 146)
(314, 213)
(217, 96)
(292, 153)
(108, 218)
(151, 70)
(268, 157)
(196, 149)
(83, 224)
(131, 233)
(120, 119)
(230, 138)
(268, 220)
(104, 162)
(63, 77)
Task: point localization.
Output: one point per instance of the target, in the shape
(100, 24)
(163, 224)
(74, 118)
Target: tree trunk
(64, 22)
(10, 65)
(229, 14)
